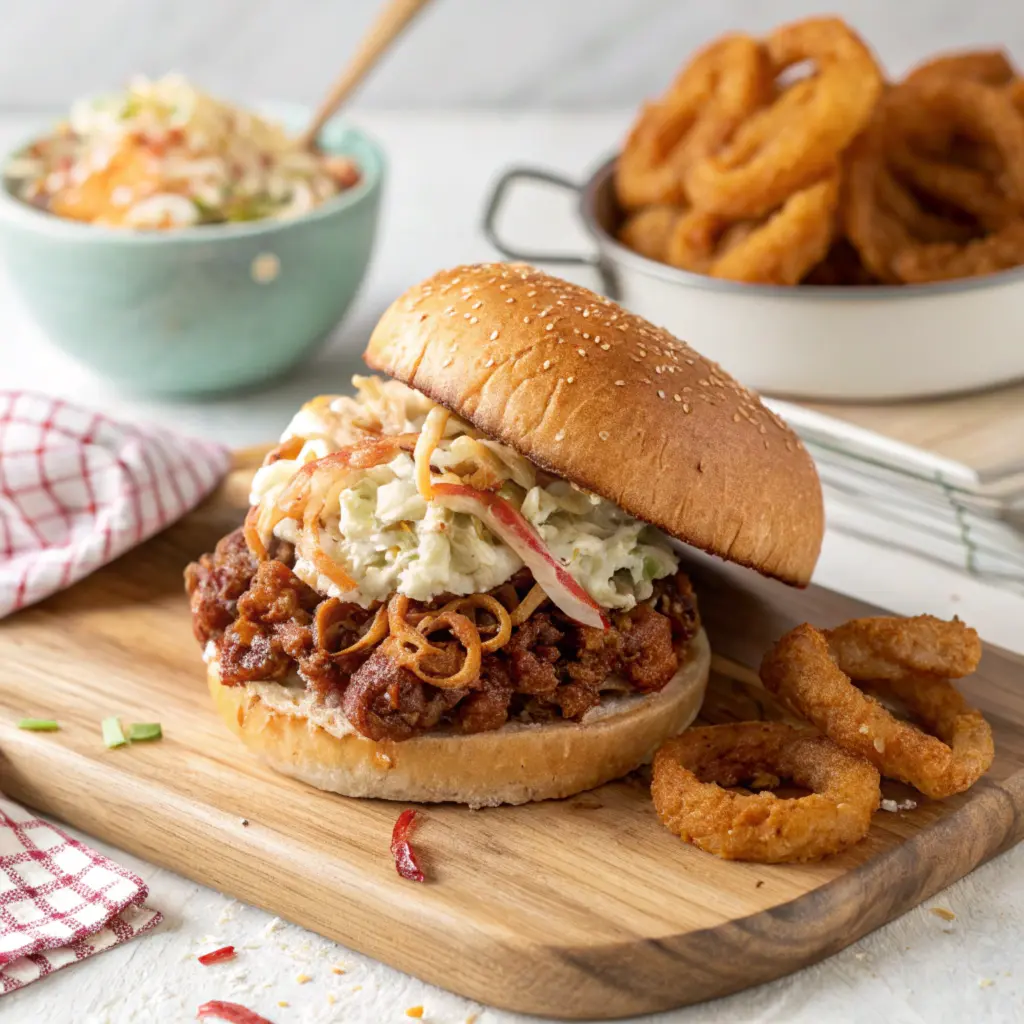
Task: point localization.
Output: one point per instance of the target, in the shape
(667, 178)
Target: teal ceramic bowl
(201, 309)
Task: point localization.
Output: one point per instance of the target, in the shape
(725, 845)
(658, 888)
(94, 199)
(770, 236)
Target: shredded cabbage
(388, 539)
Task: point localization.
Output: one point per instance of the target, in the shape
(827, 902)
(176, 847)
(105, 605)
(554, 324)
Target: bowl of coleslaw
(177, 244)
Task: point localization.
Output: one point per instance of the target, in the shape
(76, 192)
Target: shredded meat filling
(267, 625)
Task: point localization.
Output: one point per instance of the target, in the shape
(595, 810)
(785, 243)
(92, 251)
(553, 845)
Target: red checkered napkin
(77, 489)
(60, 902)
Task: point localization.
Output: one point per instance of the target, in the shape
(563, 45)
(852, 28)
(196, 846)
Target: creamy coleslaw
(389, 539)
(163, 154)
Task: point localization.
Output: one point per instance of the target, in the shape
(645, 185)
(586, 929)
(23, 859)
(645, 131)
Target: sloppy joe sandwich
(463, 582)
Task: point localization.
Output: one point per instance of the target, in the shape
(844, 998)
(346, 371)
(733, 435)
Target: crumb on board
(759, 883)
(892, 806)
(245, 823)
(946, 915)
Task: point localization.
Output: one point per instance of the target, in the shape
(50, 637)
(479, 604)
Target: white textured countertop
(920, 968)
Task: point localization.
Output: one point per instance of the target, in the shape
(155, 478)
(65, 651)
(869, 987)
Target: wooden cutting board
(579, 908)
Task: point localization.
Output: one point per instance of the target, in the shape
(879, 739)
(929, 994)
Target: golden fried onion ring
(789, 243)
(648, 231)
(991, 67)
(778, 250)
(913, 132)
(908, 658)
(778, 150)
(724, 84)
(690, 771)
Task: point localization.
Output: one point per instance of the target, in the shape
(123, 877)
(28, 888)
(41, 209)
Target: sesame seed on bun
(612, 403)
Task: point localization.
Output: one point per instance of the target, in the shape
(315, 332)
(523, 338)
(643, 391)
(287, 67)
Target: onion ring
(990, 67)
(789, 243)
(779, 150)
(802, 670)
(690, 771)
(648, 230)
(886, 647)
(721, 86)
(914, 132)
(778, 250)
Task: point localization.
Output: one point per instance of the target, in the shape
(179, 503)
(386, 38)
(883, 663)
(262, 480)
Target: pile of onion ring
(835, 679)
(833, 178)
(735, 173)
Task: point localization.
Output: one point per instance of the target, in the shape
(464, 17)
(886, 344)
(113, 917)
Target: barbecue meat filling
(267, 624)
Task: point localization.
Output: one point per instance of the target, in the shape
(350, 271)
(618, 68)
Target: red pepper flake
(218, 956)
(233, 1013)
(405, 860)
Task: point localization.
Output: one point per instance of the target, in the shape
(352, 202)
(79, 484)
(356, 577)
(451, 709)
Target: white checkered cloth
(77, 489)
(60, 902)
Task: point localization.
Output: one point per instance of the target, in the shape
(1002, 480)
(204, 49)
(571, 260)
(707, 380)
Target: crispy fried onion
(408, 645)
(467, 607)
(911, 660)
(692, 771)
(429, 438)
(327, 616)
(529, 604)
(251, 533)
(314, 486)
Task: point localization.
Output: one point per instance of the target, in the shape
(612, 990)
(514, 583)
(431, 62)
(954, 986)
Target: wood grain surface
(581, 908)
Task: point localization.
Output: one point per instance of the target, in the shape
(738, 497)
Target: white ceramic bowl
(865, 344)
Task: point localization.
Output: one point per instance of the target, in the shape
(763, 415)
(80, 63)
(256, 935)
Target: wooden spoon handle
(390, 23)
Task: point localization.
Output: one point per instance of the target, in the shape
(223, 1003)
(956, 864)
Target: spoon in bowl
(390, 24)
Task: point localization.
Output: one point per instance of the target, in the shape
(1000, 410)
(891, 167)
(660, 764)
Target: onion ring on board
(690, 771)
(811, 678)
(889, 647)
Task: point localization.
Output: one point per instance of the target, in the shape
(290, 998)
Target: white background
(513, 54)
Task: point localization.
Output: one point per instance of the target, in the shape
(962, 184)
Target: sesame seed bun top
(618, 406)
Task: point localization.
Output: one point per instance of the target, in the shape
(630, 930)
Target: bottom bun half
(511, 765)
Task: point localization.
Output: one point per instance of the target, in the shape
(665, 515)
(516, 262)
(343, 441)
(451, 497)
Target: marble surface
(498, 53)
(920, 968)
